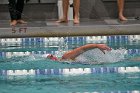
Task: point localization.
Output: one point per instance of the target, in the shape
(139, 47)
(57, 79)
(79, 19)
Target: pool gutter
(69, 30)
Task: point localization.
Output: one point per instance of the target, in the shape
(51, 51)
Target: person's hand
(103, 47)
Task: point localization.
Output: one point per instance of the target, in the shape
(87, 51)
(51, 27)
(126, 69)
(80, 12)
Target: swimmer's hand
(103, 47)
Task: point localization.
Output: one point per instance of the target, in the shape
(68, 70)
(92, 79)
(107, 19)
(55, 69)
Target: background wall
(89, 9)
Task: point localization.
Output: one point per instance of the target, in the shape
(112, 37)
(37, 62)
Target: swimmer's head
(50, 56)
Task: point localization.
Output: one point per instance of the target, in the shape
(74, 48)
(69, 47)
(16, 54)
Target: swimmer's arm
(76, 52)
(102, 47)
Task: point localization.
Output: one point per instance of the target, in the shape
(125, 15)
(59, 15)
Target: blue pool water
(20, 71)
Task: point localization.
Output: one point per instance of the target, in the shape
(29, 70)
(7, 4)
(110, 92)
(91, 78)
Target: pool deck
(50, 28)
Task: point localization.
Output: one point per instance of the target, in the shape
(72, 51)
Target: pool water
(21, 72)
(71, 84)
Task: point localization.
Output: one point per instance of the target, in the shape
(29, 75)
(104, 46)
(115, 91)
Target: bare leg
(65, 11)
(121, 9)
(76, 11)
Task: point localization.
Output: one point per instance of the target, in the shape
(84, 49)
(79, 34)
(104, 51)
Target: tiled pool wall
(55, 41)
(88, 39)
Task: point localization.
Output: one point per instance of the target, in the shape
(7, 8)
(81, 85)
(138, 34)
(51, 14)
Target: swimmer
(71, 55)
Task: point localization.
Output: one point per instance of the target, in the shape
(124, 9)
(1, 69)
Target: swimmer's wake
(95, 56)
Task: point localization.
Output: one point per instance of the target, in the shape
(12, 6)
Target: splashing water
(96, 56)
(63, 47)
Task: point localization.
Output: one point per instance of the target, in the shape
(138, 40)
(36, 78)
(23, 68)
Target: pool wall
(97, 39)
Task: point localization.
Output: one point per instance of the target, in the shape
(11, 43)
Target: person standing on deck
(121, 10)
(65, 4)
(16, 9)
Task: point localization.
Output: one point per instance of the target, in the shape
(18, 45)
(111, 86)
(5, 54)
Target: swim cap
(50, 56)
